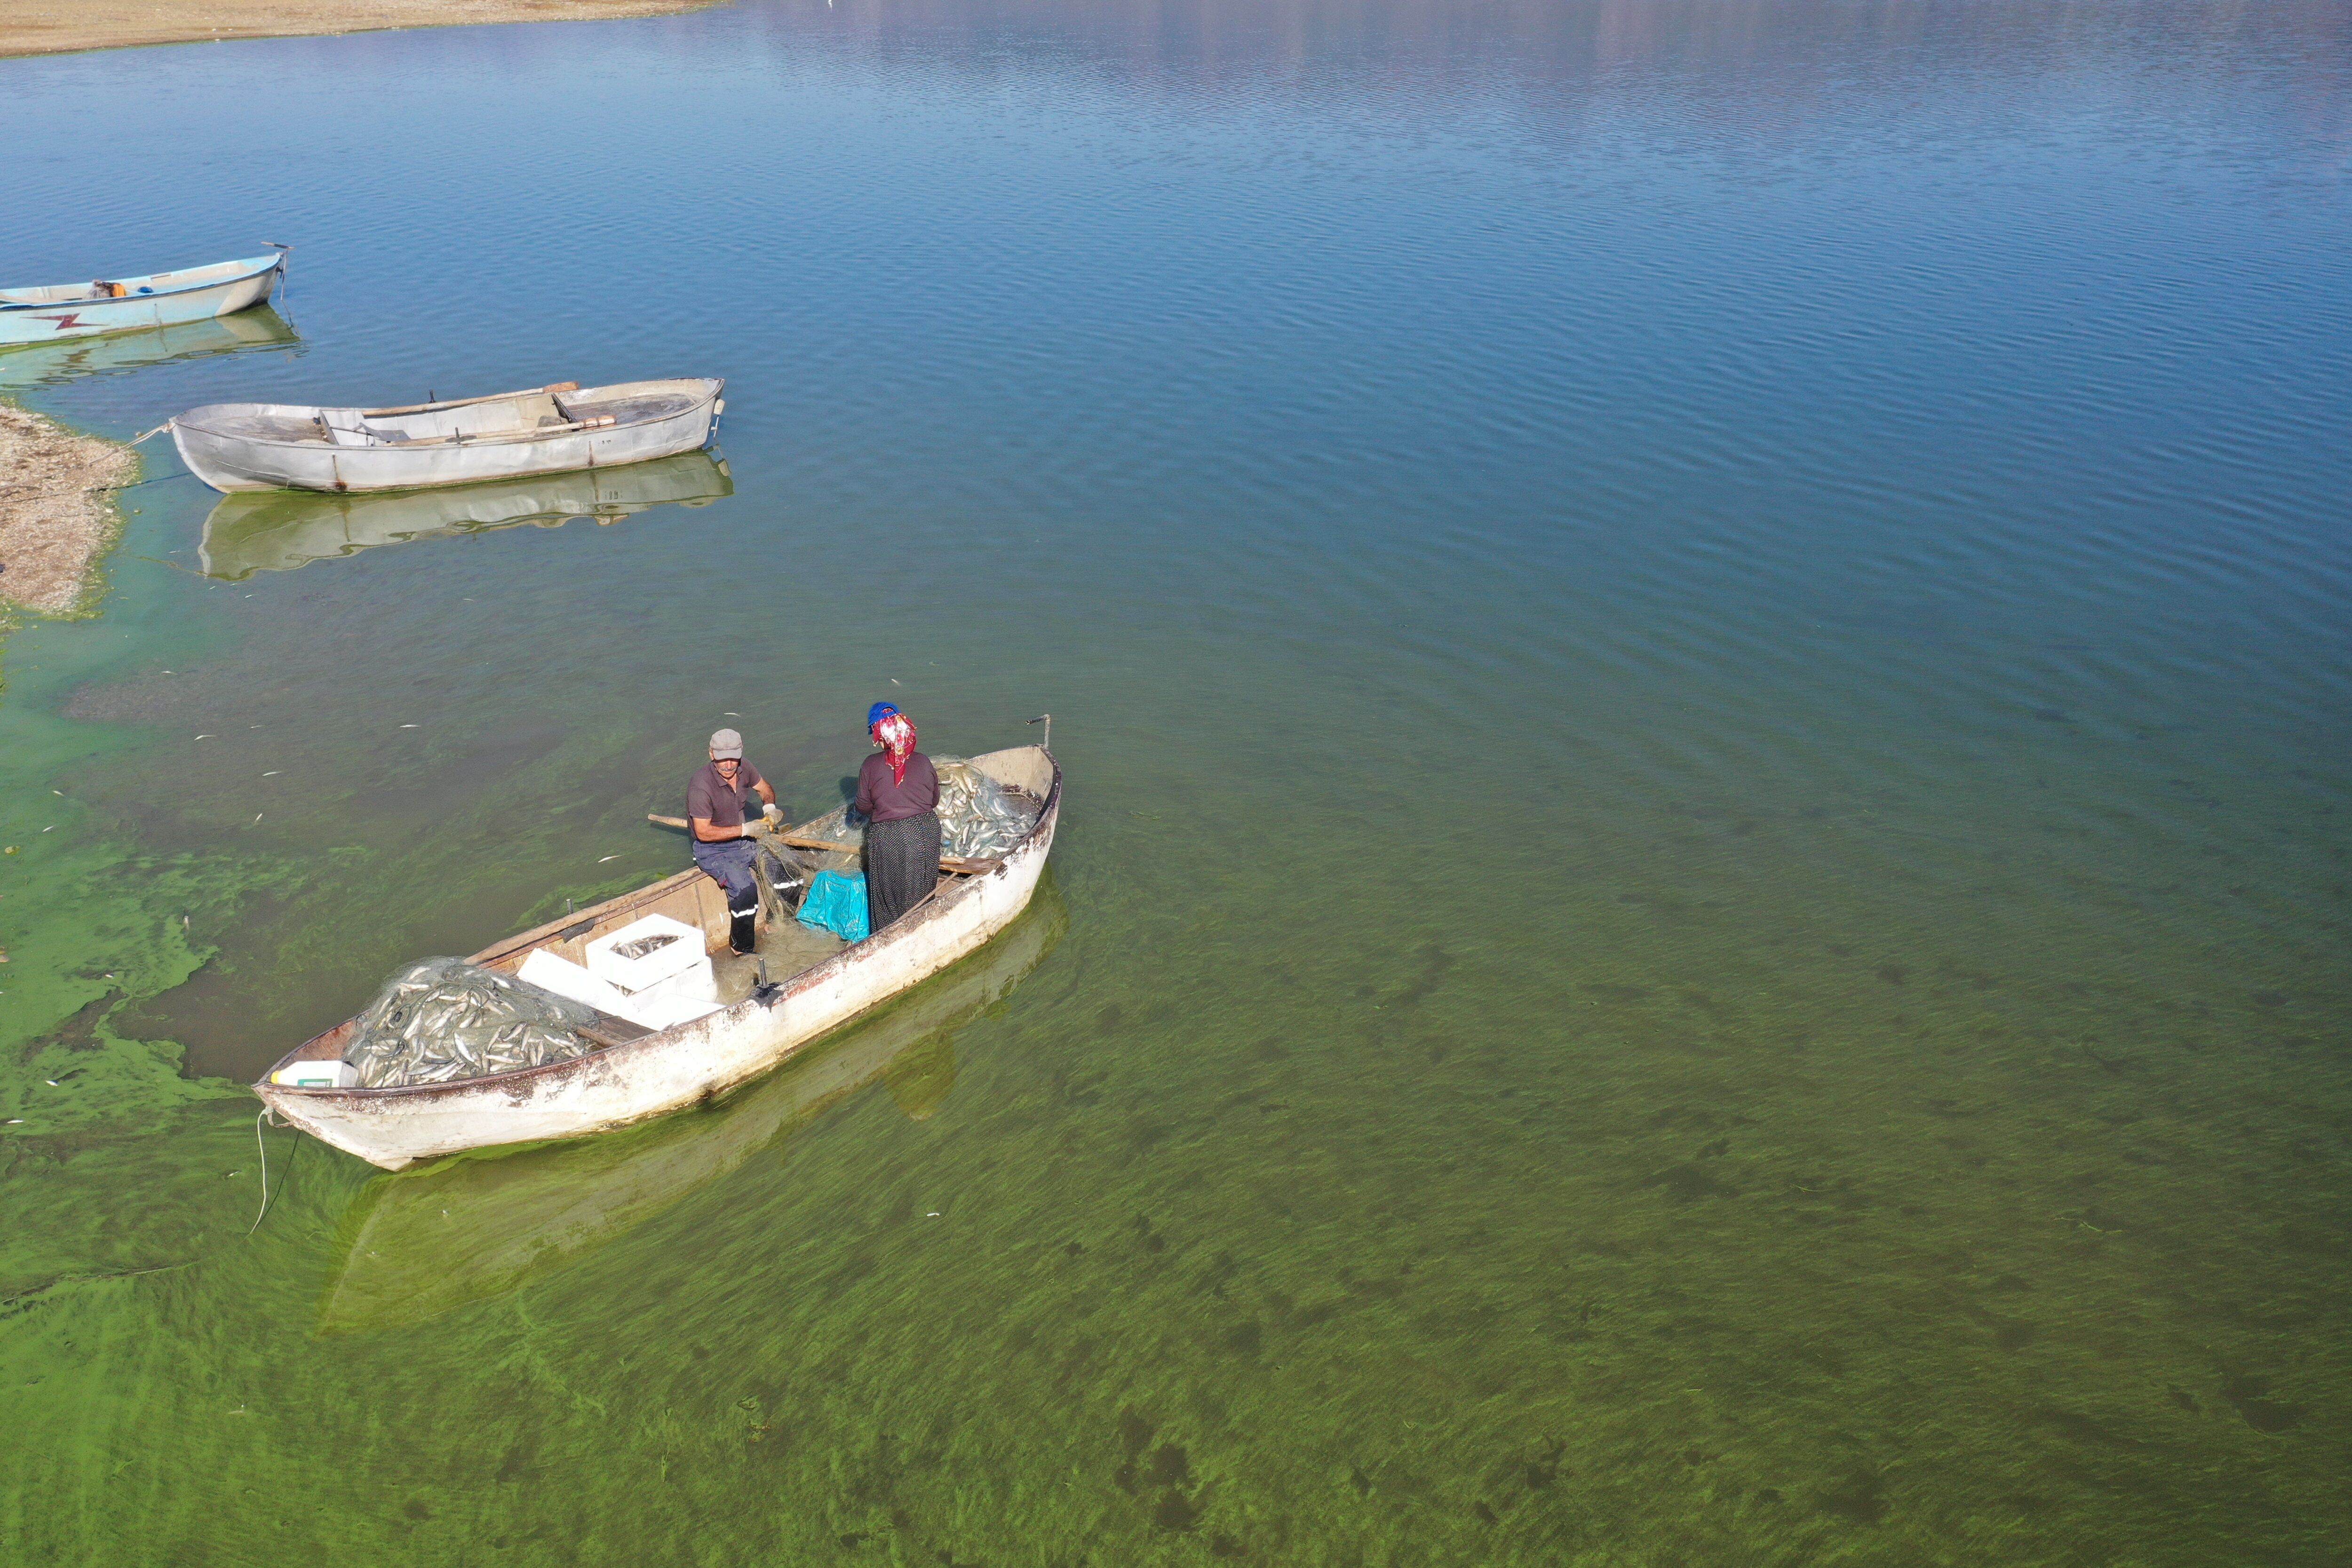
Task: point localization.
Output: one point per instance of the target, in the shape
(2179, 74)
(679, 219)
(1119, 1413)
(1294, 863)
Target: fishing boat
(505, 435)
(276, 530)
(46, 315)
(635, 1073)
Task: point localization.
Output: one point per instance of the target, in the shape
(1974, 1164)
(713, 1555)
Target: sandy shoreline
(52, 27)
(56, 510)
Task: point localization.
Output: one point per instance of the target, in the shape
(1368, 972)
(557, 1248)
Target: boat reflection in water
(469, 1228)
(276, 530)
(51, 364)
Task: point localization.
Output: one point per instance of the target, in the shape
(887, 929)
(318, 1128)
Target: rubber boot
(740, 937)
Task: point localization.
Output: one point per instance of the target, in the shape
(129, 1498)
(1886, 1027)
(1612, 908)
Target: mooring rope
(265, 1170)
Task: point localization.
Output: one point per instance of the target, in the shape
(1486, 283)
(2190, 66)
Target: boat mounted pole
(1047, 719)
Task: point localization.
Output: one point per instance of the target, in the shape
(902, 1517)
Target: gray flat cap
(726, 743)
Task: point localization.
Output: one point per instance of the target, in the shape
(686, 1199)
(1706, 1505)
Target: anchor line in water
(257, 1143)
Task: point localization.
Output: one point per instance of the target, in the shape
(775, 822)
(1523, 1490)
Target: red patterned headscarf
(895, 733)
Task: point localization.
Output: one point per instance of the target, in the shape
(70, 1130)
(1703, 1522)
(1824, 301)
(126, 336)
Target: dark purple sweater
(885, 800)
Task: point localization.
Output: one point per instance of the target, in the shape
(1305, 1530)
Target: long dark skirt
(902, 864)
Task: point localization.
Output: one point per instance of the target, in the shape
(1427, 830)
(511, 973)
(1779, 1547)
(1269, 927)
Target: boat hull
(230, 461)
(138, 312)
(693, 1062)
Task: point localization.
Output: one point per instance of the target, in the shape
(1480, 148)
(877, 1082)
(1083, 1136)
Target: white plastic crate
(697, 983)
(553, 971)
(643, 954)
(690, 994)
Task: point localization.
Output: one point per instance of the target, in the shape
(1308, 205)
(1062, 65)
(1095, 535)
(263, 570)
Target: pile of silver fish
(979, 818)
(444, 1018)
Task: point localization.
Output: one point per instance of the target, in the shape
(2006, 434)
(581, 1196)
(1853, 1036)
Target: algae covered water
(1701, 912)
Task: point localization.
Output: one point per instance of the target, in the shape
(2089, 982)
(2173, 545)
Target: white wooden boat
(541, 430)
(276, 530)
(59, 311)
(646, 1074)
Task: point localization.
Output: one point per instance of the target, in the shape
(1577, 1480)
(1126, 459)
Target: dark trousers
(731, 863)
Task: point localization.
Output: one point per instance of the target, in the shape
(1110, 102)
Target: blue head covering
(879, 712)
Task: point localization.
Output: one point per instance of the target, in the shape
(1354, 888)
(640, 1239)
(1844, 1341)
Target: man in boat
(718, 802)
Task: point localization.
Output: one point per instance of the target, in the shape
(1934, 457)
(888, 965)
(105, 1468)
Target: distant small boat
(132, 304)
(506, 435)
(276, 531)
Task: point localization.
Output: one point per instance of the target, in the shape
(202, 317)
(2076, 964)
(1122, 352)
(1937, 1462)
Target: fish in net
(979, 818)
(443, 1018)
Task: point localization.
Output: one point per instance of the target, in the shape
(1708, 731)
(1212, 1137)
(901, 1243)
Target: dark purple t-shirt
(884, 799)
(708, 795)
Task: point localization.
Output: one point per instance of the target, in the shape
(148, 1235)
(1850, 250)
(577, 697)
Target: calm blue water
(1700, 650)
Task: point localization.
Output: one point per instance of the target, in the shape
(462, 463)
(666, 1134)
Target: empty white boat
(59, 311)
(506, 434)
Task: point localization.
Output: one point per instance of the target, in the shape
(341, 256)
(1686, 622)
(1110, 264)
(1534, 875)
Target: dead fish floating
(560, 428)
(635, 1073)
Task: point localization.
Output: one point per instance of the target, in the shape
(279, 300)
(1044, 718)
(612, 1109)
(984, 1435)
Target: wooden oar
(961, 867)
(468, 402)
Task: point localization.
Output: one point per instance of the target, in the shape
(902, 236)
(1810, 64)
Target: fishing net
(979, 818)
(786, 872)
(444, 1018)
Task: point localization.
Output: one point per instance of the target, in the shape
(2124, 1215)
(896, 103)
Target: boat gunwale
(717, 387)
(804, 979)
(254, 267)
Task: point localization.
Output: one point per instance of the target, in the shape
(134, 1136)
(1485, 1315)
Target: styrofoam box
(553, 971)
(690, 994)
(634, 975)
(696, 983)
(656, 1011)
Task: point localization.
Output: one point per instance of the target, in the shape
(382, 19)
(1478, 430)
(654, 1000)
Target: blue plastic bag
(836, 902)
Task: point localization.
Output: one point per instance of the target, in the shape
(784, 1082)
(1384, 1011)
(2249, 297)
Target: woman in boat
(898, 796)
